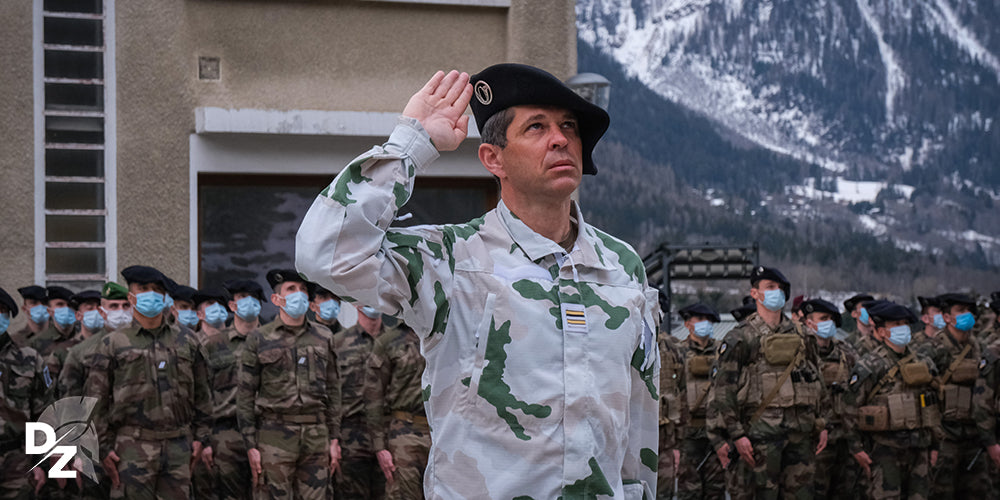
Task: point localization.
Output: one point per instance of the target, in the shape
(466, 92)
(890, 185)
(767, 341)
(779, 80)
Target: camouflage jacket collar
(232, 334)
(762, 328)
(695, 347)
(537, 247)
(277, 325)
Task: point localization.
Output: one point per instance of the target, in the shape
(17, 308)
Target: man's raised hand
(440, 106)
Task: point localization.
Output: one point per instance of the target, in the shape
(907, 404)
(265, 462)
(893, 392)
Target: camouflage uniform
(153, 397)
(897, 426)
(23, 396)
(986, 405)
(541, 363)
(288, 407)
(394, 405)
(53, 346)
(838, 475)
(230, 477)
(960, 448)
(671, 413)
(708, 482)
(866, 345)
(784, 435)
(920, 338)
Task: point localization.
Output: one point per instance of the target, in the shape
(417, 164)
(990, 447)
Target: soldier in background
(859, 330)
(211, 301)
(891, 420)
(183, 308)
(769, 398)
(394, 406)
(360, 475)
(210, 304)
(246, 302)
(748, 307)
(837, 477)
(23, 397)
(115, 307)
(961, 471)
(326, 306)
(35, 305)
(288, 400)
(671, 414)
(991, 332)
(986, 402)
(153, 407)
(61, 334)
(931, 320)
(700, 474)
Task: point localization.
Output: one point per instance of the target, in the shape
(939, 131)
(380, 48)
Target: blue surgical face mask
(296, 304)
(187, 317)
(168, 302)
(939, 321)
(248, 308)
(703, 328)
(863, 318)
(64, 316)
(39, 314)
(900, 335)
(4, 322)
(774, 300)
(93, 320)
(329, 310)
(965, 321)
(370, 312)
(149, 304)
(826, 329)
(216, 315)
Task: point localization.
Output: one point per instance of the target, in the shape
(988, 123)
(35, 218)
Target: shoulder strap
(888, 376)
(799, 356)
(954, 364)
(701, 397)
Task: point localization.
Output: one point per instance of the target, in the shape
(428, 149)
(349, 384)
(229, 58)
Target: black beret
(501, 86)
(85, 296)
(8, 302)
(853, 302)
(33, 292)
(770, 273)
(926, 302)
(114, 291)
(183, 292)
(318, 290)
(950, 299)
(820, 305)
(217, 294)
(245, 286)
(699, 309)
(743, 311)
(59, 292)
(885, 311)
(144, 274)
(995, 302)
(276, 277)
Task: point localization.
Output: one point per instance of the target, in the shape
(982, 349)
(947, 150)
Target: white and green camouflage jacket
(542, 368)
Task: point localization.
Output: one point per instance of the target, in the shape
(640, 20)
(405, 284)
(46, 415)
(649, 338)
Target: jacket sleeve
(246, 392)
(377, 377)
(724, 407)
(345, 244)
(201, 424)
(333, 395)
(100, 380)
(641, 453)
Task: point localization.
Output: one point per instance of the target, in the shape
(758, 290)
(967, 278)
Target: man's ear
(490, 157)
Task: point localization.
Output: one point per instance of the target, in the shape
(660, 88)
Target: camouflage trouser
(785, 467)
(899, 473)
(838, 475)
(953, 478)
(665, 465)
(15, 483)
(295, 459)
(153, 469)
(708, 483)
(231, 471)
(201, 482)
(739, 479)
(359, 477)
(99, 490)
(409, 443)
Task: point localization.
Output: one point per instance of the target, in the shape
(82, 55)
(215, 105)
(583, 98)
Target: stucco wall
(17, 167)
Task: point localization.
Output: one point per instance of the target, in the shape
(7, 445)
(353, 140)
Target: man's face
(28, 304)
(815, 318)
(115, 305)
(181, 305)
(689, 323)
(953, 312)
(856, 312)
(544, 153)
(763, 285)
(236, 298)
(56, 304)
(85, 307)
(285, 289)
(882, 332)
(929, 313)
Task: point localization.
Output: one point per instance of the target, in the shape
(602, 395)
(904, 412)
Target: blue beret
(501, 86)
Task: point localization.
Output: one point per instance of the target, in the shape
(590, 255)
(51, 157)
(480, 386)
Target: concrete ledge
(210, 120)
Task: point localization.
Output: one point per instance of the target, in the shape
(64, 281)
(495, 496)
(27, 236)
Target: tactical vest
(956, 387)
(775, 352)
(699, 380)
(904, 402)
(670, 370)
(835, 372)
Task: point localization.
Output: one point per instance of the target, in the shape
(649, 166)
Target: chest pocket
(780, 349)
(834, 372)
(966, 372)
(701, 366)
(319, 360)
(276, 370)
(223, 371)
(915, 374)
(16, 385)
(132, 372)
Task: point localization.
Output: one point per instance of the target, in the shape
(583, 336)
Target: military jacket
(837, 361)
(745, 378)
(80, 359)
(23, 394)
(353, 346)
(392, 381)
(224, 354)
(698, 362)
(866, 344)
(149, 379)
(673, 411)
(955, 394)
(920, 338)
(53, 346)
(986, 395)
(288, 370)
(921, 426)
(541, 363)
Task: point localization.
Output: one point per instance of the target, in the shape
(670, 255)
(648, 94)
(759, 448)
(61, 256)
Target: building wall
(345, 55)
